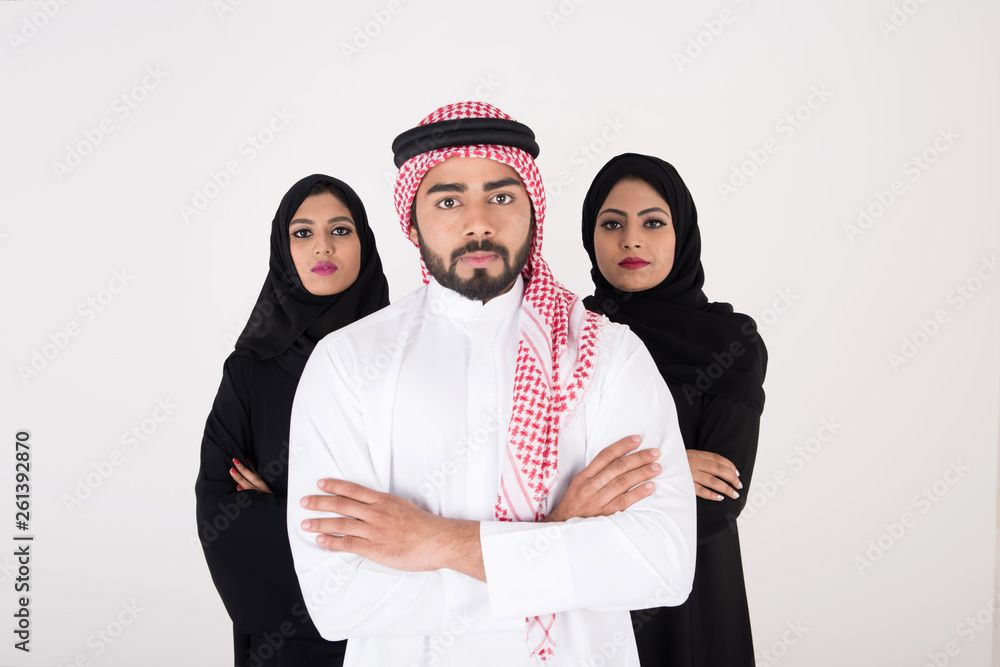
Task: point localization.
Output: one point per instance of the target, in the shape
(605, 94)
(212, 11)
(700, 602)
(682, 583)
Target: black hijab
(699, 345)
(287, 321)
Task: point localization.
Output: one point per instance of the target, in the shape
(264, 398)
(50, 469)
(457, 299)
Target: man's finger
(624, 482)
(336, 526)
(338, 505)
(608, 477)
(625, 500)
(609, 454)
(354, 545)
(341, 487)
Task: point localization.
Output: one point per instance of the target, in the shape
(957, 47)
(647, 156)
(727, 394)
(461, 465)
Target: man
(458, 433)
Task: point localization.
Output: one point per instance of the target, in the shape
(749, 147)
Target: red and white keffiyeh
(555, 357)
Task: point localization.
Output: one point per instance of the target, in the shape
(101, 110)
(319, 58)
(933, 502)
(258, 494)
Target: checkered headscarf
(555, 356)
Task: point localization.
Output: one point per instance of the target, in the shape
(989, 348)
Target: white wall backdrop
(843, 157)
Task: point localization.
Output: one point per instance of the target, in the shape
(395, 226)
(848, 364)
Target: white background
(593, 80)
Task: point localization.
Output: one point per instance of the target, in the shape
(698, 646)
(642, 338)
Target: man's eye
(502, 198)
(447, 203)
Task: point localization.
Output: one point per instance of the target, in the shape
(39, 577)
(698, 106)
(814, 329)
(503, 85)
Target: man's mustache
(481, 246)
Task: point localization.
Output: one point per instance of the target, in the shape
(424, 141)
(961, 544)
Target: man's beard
(481, 286)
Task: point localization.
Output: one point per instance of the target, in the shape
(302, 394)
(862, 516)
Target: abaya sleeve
(728, 428)
(243, 532)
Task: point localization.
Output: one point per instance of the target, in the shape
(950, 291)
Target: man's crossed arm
(396, 533)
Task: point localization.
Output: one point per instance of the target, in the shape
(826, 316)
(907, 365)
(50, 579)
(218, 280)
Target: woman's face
(634, 236)
(325, 246)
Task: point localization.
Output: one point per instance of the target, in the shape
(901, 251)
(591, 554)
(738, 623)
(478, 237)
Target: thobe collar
(454, 305)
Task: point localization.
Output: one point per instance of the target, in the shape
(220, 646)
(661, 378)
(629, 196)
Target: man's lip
(324, 268)
(633, 263)
(479, 258)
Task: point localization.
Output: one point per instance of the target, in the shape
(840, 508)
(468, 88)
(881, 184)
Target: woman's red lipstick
(633, 263)
(324, 268)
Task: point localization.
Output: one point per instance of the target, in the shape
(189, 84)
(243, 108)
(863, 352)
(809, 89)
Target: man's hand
(613, 481)
(713, 475)
(392, 531)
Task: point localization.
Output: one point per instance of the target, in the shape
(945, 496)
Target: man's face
(474, 226)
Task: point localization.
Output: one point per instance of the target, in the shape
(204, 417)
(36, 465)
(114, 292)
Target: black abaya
(714, 362)
(243, 532)
(712, 628)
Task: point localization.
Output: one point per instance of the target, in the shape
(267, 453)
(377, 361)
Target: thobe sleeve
(348, 595)
(728, 428)
(243, 532)
(639, 558)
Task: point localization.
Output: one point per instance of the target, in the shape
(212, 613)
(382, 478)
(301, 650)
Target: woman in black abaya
(640, 229)
(325, 273)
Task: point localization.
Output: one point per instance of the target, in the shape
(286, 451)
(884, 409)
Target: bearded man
(476, 519)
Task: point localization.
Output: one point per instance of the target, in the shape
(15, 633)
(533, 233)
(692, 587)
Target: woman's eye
(655, 224)
(611, 224)
(341, 231)
(302, 233)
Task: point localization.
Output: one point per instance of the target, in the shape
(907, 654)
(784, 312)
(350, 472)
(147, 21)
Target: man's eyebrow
(655, 208)
(446, 187)
(502, 183)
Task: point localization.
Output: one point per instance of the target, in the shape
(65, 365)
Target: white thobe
(414, 400)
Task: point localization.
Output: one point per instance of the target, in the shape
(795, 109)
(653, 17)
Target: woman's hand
(615, 480)
(713, 475)
(247, 479)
